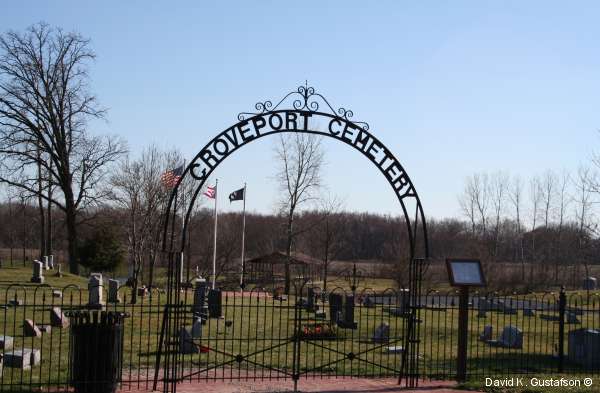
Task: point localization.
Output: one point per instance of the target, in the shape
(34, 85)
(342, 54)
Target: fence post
(562, 305)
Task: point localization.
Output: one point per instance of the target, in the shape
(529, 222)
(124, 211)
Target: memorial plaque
(465, 272)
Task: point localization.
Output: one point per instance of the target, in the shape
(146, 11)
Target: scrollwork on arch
(305, 98)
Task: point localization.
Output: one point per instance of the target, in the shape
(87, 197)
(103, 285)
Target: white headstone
(51, 261)
(38, 274)
(45, 259)
(23, 358)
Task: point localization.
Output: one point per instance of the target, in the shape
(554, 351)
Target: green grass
(262, 331)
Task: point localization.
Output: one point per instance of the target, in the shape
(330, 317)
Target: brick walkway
(331, 385)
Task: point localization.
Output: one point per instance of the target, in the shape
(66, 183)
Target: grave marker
(38, 275)
(113, 291)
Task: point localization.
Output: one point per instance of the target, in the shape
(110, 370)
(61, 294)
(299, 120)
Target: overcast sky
(451, 88)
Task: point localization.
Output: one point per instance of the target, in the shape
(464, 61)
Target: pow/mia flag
(237, 195)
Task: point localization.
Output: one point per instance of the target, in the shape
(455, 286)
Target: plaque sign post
(464, 273)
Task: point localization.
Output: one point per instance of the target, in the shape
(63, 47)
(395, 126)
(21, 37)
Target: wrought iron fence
(261, 335)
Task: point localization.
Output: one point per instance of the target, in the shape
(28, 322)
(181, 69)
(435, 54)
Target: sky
(451, 88)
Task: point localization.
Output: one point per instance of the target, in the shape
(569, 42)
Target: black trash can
(96, 350)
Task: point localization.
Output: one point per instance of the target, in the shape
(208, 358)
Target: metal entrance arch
(297, 112)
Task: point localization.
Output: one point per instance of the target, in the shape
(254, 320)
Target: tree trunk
(42, 223)
(72, 238)
(288, 251)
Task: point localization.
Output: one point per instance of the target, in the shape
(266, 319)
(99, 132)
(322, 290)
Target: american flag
(172, 176)
(211, 192)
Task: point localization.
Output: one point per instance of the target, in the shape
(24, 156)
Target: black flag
(237, 195)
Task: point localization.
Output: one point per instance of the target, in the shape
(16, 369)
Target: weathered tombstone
(58, 318)
(57, 294)
(30, 329)
(51, 261)
(404, 300)
(511, 337)
(59, 271)
(197, 328)
(38, 275)
(215, 303)
(199, 308)
(487, 333)
(113, 291)
(335, 307)
(590, 283)
(45, 329)
(368, 302)
(23, 358)
(186, 342)
(310, 300)
(382, 333)
(320, 314)
(572, 318)
(528, 312)
(347, 321)
(95, 291)
(45, 260)
(142, 291)
(6, 342)
(15, 302)
(584, 348)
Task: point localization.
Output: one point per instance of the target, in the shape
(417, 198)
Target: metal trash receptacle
(96, 350)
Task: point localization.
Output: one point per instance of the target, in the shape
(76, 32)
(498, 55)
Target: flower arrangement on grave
(318, 330)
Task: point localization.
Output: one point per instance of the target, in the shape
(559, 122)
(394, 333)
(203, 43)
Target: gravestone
(335, 307)
(310, 300)
(197, 328)
(368, 302)
(584, 348)
(51, 261)
(57, 294)
(528, 312)
(511, 337)
(590, 283)
(6, 342)
(382, 333)
(58, 318)
(509, 310)
(113, 291)
(38, 275)
(30, 329)
(142, 291)
(348, 321)
(23, 358)
(59, 271)
(46, 263)
(15, 302)
(95, 291)
(394, 349)
(487, 333)
(199, 308)
(186, 342)
(45, 329)
(572, 318)
(483, 305)
(550, 318)
(215, 303)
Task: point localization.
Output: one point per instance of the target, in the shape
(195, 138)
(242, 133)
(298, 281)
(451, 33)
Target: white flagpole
(181, 280)
(214, 272)
(243, 240)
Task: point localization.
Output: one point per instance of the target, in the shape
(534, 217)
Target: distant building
(269, 270)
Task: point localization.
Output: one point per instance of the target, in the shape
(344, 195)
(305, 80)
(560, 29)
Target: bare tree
(300, 159)
(498, 186)
(45, 107)
(547, 195)
(515, 194)
(138, 190)
(535, 193)
(585, 184)
(467, 202)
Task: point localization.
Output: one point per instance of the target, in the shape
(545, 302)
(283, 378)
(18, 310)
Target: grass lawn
(261, 330)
